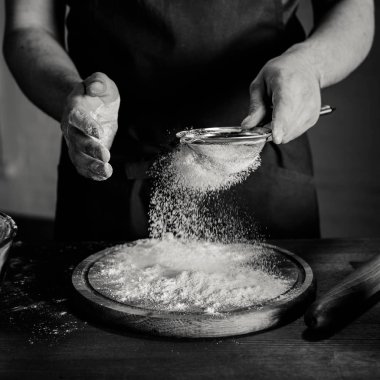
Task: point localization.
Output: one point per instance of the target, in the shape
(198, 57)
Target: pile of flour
(192, 276)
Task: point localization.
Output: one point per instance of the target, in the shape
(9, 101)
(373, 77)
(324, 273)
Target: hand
(89, 125)
(288, 84)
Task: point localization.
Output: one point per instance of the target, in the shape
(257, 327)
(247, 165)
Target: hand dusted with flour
(89, 125)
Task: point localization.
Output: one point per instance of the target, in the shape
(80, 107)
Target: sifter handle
(325, 110)
(345, 297)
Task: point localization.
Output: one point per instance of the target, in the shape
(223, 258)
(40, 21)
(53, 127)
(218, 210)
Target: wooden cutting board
(287, 306)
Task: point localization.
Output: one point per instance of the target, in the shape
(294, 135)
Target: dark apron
(180, 63)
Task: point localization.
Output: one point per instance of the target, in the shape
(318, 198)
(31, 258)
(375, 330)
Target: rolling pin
(346, 297)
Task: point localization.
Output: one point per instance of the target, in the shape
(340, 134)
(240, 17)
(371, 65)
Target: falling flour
(208, 168)
(188, 276)
(189, 197)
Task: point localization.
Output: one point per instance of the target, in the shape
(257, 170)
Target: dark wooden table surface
(43, 336)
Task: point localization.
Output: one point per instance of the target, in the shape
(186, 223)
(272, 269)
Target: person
(135, 72)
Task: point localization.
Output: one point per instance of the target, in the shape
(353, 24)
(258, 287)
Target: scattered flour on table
(29, 306)
(188, 276)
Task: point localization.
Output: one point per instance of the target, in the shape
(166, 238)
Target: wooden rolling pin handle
(345, 297)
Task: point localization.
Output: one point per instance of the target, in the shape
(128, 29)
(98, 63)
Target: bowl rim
(13, 229)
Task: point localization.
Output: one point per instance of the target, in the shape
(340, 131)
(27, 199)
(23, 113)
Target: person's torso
(178, 63)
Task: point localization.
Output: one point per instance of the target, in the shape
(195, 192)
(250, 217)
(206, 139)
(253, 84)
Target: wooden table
(42, 335)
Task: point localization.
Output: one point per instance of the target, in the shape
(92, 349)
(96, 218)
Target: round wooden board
(196, 324)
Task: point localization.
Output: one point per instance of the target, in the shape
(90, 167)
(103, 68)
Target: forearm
(42, 68)
(341, 39)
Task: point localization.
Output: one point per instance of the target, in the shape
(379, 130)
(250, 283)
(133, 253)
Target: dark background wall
(346, 149)
(345, 146)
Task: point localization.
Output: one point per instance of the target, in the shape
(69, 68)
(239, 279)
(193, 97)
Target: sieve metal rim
(224, 135)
